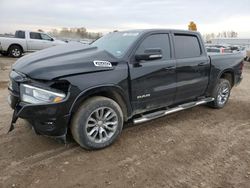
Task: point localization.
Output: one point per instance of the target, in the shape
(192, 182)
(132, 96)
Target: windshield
(116, 43)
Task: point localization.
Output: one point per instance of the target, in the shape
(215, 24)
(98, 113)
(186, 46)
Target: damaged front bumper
(46, 119)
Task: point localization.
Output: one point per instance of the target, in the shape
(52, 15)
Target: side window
(156, 41)
(34, 35)
(45, 37)
(186, 46)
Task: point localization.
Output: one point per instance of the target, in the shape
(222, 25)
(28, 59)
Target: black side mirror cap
(149, 54)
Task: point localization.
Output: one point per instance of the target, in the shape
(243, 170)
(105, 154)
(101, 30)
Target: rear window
(187, 46)
(20, 34)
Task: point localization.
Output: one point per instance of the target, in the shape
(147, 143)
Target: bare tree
(207, 37)
(227, 34)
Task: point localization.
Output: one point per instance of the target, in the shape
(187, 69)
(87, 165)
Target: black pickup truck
(90, 91)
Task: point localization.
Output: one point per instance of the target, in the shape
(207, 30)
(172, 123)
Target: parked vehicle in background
(217, 49)
(232, 41)
(226, 48)
(91, 90)
(70, 40)
(26, 41)
(86, 42)
(240, 49)
(242, 42)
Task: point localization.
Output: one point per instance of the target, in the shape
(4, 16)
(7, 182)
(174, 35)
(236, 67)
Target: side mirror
(149, 54)
(52, 39)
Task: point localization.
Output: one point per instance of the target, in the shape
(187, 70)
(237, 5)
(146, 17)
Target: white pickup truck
(26, 41)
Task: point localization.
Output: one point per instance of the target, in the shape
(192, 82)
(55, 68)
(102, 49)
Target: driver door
(153, 81)
(47, 41)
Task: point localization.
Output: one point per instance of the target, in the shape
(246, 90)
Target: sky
(108, 15)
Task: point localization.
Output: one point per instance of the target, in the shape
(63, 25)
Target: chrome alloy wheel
(15, 52)
(101, 124)
(223, 94)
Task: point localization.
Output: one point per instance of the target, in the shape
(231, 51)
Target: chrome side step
(162, 113)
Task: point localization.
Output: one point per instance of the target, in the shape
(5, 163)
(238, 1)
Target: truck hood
(63, 60)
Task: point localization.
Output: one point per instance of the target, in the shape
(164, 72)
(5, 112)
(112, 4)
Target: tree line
(74, 33)
(225, 34)
(209, 36)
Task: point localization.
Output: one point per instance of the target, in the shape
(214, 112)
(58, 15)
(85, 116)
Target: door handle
(201, 64)
(169, 68)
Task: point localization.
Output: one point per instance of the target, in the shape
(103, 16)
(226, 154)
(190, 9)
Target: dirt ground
(200, 147)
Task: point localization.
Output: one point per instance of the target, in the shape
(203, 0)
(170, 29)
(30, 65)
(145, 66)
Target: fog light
(49, 125)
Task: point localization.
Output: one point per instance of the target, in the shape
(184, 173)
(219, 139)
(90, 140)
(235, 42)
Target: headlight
(35, 95)
(10, 85)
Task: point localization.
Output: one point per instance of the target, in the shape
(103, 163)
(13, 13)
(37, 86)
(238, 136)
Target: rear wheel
(15, 51)
(97, 123)
(221, 94)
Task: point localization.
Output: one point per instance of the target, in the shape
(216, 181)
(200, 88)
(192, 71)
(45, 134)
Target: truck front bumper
(46, 119)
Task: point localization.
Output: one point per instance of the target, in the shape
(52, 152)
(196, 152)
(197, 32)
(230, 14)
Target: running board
(162, 113)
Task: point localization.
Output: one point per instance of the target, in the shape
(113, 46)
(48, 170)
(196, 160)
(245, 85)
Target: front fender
(110, 90)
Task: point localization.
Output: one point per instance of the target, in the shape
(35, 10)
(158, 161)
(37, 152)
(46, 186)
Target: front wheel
(97, 123)
(221, 94)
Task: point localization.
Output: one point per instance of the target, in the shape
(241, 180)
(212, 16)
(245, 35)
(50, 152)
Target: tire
(15, 51)
(4, 53)
(221, 94)
(93, 132)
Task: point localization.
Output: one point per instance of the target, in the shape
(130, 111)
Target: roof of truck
(160, 30)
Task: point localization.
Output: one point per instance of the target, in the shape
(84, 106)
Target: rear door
(193, 67)
(153, 82)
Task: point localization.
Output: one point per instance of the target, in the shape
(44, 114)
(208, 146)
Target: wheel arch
(229, 75)
(113, 92)
(15, 44)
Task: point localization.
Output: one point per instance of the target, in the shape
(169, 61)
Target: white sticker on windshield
(130, 34)
(99, 63)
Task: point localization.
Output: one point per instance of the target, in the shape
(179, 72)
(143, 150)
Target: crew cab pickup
(26, 41)
(136, 75)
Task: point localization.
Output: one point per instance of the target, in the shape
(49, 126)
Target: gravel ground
(199, 147)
